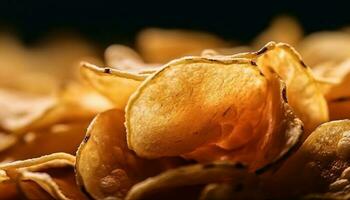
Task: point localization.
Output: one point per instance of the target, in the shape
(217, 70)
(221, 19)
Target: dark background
(105, 22)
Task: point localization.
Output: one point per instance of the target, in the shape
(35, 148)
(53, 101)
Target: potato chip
(105, 166)
(126, 59)
(114, 84)
(42, 68)
(318, 163)
(211, 109)
(160, 45)
(338, 77)
(325, 46)
(58, 138)
(58, 182)
(282, 29)
(196, 174)
(55, 159)
(303, 92)
(23, 112)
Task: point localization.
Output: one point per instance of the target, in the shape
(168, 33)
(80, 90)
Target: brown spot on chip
(261, 51)
(303, 64)
(86, 138)
(107, 70)
(253, 63)
(284, 95)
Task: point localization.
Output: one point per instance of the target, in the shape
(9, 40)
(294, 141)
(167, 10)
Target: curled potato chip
(196, 174)
(126, 59)
(114, 84)
(43, 161)
(282, 29)
(211, 109)
(160, 45)
(303, 92)
(58, 182)
(105, 166)
(325, 46)
(319, 162)
(37, 170)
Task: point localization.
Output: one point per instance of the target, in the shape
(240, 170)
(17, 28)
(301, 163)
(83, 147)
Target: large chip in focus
(211, 109)
(303, 91)
(105, 166)
(321, 160)
(114, 84)
(160, 45)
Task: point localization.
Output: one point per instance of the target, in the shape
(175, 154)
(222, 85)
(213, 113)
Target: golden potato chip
(325, 46)
(160, 45)
(211, 109)
(114, 84)
(105, 166)
(24, 112)
(282, 29)
(303, 92)
(58, 182)
(126, 59)
(55, 159)
(338, 77)
(58, 138)
(42, 68)
(318, 163)
(196, 174)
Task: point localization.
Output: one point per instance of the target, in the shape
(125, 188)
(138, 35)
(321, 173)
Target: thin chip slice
(282, 29)
(114, 84)
(58, 182)
(325, 46)
(126, 59)
(197, 174)
(58, 138)
(338, 76)
(105, 166)
(303, 91)
(318, 163)
(160, 45)
(25, 113)
(43, 161)
(211, 109)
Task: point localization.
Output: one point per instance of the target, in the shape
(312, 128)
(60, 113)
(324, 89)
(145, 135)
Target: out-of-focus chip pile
(183, 115)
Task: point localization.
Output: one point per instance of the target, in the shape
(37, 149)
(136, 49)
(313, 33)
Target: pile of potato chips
(187, 115)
